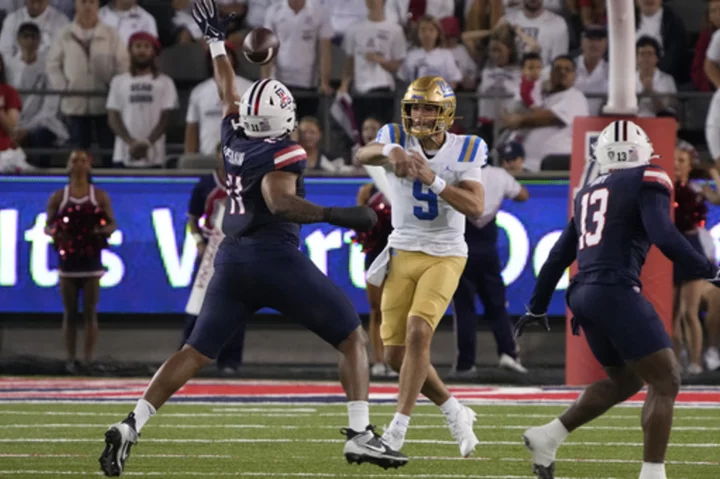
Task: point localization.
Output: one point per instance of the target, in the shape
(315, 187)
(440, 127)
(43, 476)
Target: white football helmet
(622, 144)
(267, 110)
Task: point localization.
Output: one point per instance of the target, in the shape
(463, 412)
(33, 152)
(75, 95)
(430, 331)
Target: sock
(359, 414)
(143, 411)
(556, 431)
(653, 470)
(399, 425)
(450, 407)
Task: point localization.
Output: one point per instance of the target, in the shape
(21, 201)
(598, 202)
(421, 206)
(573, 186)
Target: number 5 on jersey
(422, 193)
(234, 191)
(591, 235)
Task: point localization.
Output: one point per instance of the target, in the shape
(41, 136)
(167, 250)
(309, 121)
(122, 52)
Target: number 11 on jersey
(596, 197)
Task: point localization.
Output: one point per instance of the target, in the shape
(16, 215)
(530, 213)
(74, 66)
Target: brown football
(260, 45)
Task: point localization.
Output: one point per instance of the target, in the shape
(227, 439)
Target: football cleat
(119, 438)
(368, 446)
(543, 451)
(461, 427)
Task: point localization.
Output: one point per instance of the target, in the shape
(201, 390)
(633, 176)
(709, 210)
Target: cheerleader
(80, 219)
(690, 216)
(373, 242)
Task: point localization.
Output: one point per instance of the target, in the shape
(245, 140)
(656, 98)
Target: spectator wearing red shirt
(699, 78)
(9, 110)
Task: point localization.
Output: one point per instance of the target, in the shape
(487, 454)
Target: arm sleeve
(655, 209)
(454, 73)
(391, 133)
(559, 259)
(114, 100)
(170, 96)
(512, 186)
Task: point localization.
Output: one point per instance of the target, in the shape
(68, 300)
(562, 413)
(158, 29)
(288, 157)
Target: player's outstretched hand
(207, 16)
(531, 318)
(359, 218)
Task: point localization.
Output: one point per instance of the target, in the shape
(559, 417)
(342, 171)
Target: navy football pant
(620, 325)
(482, 277)
(231, 354)
(281, 279)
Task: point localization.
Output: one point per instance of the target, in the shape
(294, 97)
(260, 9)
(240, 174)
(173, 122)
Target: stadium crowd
(136, 82)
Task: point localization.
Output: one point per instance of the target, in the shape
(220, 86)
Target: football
(260, 46)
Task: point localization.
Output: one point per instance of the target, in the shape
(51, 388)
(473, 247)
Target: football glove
(531, 318)
(207, 17)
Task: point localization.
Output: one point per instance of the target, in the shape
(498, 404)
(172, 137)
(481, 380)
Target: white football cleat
(461, 428)
(543, 450)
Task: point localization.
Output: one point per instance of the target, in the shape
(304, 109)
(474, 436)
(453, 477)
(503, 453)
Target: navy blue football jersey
(247, 161)
(616, 219)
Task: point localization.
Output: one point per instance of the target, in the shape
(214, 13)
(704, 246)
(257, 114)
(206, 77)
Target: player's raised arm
(207, 16)
(655, 209)
(280, 194)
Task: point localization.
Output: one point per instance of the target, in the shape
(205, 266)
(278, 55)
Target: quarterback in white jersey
(435, 181)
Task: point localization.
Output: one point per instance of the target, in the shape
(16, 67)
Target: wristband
(438, 185)
(198, 238)
(389, 147)
(217, 49)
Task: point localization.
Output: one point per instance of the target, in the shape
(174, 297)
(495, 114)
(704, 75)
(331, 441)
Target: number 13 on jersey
(591, 236)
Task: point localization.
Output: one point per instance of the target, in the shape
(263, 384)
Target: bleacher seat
(555, 163)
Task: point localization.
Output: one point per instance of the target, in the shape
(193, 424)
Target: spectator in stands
(593, 12)
(661, 23)
(38, 125)
(593, 72)
(187, 30)
(408, 12)
(699, 77)
(368, 131)
(204, 113)
(48, 19)
(499, 78)
(709, 54)
(343, 15)
(257, 11)
(70, 68)
(429, 58)
(309, 137)
(139, 105)
(463, 60)
(476, 11)
(374, 51)
(531, 89)
(303, 29)
(652, 81)
(127, 17)
(712, 128)
(12, 158)
(548, 29)
(547, 130)
(67, 7)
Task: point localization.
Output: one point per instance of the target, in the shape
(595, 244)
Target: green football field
(261, 440)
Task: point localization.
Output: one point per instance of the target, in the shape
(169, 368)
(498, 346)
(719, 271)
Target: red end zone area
(16, 389)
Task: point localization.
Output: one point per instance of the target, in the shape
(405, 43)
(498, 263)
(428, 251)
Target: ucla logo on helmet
(445, 88)
(285, 100)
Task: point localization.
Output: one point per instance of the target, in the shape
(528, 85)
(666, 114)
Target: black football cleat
(119, 438)
(368, 446)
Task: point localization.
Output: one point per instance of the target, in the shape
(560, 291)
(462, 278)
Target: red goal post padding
(580, 365)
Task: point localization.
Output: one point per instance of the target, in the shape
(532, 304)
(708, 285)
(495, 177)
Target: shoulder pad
(392, 133)
(474, 150)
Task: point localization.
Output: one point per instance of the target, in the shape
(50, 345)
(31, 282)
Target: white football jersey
(423, 221)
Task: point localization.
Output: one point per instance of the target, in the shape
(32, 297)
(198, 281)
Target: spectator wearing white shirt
(257, 11)
(304, 30)
(204, 113)
(593, 72)
(39, 125)
(500, 77)
(67, 7)
(187, 30)
(661, 23)
(650, 80)
(430, 58)
(407, 12)
(465, 63)
(127, 17)
(343, 15)
(48, 19)
(309, 137)
(139, 104)
(374, 51)
(476, 11)
(548, 29)
(85, 56)
(712, 128)
(547, 130)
